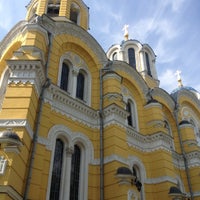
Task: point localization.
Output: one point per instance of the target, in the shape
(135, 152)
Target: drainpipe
(38, 117)
(101, 138)
(102, 70)
(183, 153)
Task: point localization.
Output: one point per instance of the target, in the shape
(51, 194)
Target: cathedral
(79, 123)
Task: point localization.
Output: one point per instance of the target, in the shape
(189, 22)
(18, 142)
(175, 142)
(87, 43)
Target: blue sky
(170, 27)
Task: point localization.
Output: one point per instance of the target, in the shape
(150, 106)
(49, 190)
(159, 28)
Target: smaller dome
(174, 191)
(124, 171)
(9, 134)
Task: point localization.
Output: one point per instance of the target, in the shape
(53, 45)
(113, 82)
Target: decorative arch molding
(14, 32)
(189, 96)
(3, 84)
(147, 48)
(131, 43)
(140, 83)
(72, 138)
(133, 160)
(60, 28)
(76, 65)
(161, 95)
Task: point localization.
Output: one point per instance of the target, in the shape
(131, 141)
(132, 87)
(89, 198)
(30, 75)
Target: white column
(67, 172)
(75, 72)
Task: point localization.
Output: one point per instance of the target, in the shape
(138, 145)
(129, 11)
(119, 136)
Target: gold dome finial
(178, 74)
(125, 29)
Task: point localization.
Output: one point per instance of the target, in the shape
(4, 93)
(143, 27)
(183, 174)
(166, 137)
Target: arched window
(114, 56)
(64, 77)
(75, 173)
(129, 118)
(74, 13)
(137, 181)
(53, 8)
(148, 64)
(132, 117)
(57, 170)
(131, 57)
(80, 86)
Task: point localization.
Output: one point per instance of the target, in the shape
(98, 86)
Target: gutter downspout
(105, 68)
(101, 137)
(183, 153)
(38, 117)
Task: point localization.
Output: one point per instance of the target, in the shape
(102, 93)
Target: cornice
(114, 114)
(75, 109)
(149, 143)
(13, 123)
(27, 71)
(193, 160)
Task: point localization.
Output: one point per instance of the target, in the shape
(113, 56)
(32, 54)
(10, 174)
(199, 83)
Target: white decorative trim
(70, 139)
(10, 192)
(149, 143)
(61, 27)
(27, 71)
(193, 159)
(76, 110)
(3, 84)
(11, 36)
(113, 114)
(11, 123)
(76, 64)
(3, 164)
(160, 179)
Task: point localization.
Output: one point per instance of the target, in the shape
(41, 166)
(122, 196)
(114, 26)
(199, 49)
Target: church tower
(79, 124)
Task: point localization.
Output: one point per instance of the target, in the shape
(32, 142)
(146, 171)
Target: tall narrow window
(131, 57)
(129, 118)
(64, 77)
(75, 173)
(80, 86)
(148, 64)
(57, 170)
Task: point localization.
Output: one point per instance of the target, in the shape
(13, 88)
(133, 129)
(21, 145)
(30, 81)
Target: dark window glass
(64, 77)
(131, 57)
(129, 118)
(80, 86)
(75, 173)
(74, 15)
(57, 169)
(53, 10)
(148, 64)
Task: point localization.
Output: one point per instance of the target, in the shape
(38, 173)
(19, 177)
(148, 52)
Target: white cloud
(176, 5)
(168, 80)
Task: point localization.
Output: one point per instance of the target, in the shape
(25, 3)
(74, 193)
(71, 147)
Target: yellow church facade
(78, 123)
